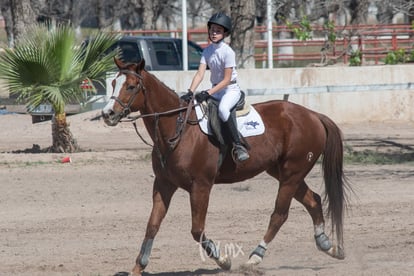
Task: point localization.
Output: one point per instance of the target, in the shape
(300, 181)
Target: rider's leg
(227, 103)
(239, 150)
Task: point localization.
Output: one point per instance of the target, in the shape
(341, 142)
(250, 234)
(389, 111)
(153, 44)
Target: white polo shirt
(218, 57)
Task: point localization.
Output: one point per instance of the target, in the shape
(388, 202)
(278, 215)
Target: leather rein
(181, 122)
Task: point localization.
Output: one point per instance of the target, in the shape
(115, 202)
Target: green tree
(47, 66)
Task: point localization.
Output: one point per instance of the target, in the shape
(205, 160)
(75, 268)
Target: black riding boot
(239, 152)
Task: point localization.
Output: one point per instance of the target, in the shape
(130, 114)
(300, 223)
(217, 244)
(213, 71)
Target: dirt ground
(88, 217)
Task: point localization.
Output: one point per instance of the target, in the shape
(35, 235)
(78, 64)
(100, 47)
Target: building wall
(346, 94)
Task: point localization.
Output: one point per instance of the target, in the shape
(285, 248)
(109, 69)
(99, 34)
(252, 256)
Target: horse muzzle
(111, 118)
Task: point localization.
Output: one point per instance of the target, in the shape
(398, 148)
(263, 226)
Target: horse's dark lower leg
(199, 198)
(279, 216)
(313, 204)
(161, 200)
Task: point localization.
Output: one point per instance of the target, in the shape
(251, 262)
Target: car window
(129, 51)
(165, 53)
(194, 56)
(194, 53)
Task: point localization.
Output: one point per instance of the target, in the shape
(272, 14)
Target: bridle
(181, 122)
(126, 108)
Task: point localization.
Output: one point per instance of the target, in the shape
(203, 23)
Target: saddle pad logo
(251, 124)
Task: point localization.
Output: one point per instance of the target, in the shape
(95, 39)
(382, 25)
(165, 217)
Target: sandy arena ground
(88, 217)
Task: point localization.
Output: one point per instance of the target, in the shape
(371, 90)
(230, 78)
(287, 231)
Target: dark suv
(160, 53)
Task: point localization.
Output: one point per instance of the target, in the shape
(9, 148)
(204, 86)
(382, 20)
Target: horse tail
(334, 178)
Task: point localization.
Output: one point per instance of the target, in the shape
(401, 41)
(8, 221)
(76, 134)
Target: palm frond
(48, 66)
(25, 67)
(61, 44)
(96, 58)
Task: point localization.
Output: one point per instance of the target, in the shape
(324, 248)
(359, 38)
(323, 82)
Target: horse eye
(130, 87)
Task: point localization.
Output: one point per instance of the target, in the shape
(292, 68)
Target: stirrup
(239, 153)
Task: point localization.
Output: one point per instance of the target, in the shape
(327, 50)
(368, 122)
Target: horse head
(127, 90)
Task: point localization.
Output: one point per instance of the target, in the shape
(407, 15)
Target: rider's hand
(187, 96)
(202, 96)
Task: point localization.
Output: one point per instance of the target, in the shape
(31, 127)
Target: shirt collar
(218, 45)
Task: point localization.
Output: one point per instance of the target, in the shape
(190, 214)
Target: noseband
(126, 108)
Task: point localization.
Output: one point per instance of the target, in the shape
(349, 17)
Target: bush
(398, 56)
(356, 58)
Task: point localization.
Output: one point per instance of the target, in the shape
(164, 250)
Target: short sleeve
(230, 59)
(203, 60)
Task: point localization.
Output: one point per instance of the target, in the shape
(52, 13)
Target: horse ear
(141, 65)
(119, 63)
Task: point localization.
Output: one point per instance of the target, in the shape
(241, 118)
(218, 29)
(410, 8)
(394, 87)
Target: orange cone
(66, 160)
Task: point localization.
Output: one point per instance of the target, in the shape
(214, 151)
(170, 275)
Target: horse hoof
(254, 260)
(336, 252)
(136, 271)
(224, 262)
(339, 253)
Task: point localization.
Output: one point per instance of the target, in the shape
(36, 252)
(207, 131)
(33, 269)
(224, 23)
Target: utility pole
(269, 35)
(184, 35)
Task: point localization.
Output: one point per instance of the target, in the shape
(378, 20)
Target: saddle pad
(248, 124)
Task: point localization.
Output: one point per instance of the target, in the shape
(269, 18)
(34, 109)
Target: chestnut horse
(184, 157)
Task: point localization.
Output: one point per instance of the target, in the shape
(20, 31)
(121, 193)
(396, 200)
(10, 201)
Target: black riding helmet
(222, 20)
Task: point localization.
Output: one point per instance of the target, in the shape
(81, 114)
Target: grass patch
(25, 163)
(375, 157)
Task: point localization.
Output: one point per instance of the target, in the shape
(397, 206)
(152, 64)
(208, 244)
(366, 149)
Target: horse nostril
(107, 113)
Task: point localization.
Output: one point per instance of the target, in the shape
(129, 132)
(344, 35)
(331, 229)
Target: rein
(180, 123)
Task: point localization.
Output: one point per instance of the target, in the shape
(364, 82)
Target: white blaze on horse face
(119, 81)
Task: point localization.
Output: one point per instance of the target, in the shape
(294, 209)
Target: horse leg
(312, 202)
(287, 190)
(199, 199)
(162, 194)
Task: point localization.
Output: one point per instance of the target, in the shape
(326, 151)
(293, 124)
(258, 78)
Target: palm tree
(48, 66)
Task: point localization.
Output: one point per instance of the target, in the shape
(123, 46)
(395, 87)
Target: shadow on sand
(177, 273)
(242, 270)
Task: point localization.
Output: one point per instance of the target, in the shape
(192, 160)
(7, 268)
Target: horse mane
(154, 78)
(139, 67)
